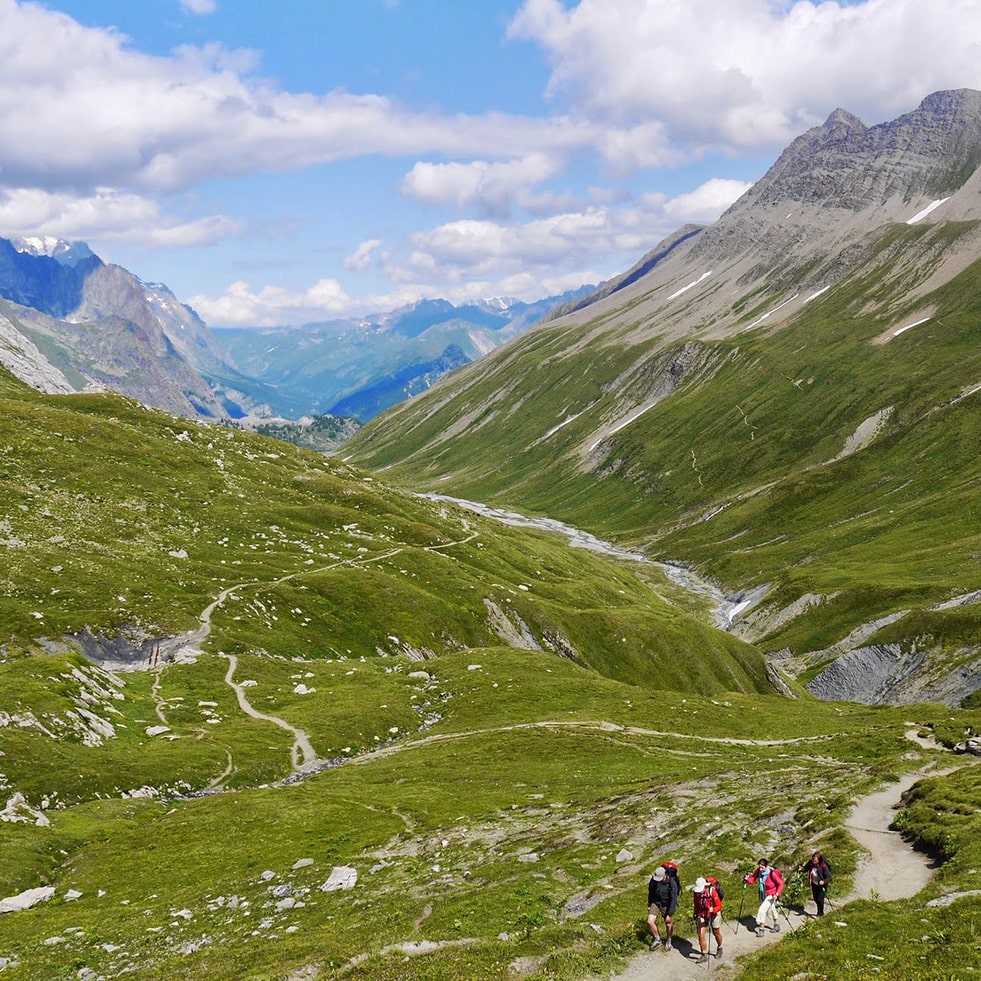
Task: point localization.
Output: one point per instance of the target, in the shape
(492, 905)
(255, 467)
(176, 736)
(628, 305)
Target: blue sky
(290, 162)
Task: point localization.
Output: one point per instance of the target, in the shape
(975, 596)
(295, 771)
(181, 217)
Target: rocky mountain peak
(844, 176)
(63, 252)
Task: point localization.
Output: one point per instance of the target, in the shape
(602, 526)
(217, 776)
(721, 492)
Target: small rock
(302, 863)
(341, 877)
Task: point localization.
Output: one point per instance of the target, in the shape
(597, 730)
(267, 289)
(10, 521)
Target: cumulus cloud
(490, 188)
(749, 72)
(563, 246)
(79, 107)
(108, 214)
(706, 203)
(272, 306)
(360, 259)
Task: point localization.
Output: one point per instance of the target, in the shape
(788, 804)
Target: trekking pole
(786, 916)
(739, 915)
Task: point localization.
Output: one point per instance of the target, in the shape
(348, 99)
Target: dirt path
(892, 869)
(301, 744)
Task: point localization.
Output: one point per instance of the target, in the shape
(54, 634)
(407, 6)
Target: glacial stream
(724, 607)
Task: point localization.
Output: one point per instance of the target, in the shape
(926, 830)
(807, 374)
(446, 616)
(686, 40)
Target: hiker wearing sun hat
(707, 897)
(662, 900)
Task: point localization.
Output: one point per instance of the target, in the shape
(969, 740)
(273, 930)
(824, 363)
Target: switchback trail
(892, 869)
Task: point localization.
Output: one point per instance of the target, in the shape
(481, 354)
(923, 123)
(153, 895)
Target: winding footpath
(302, 752)
(891, 868)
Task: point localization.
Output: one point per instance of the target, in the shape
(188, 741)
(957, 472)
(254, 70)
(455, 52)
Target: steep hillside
(123, 524)
(262, 716)
(787, 400)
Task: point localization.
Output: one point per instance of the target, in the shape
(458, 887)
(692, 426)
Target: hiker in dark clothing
(662, 900)
(818, 874)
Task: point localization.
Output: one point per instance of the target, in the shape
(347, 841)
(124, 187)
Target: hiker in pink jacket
(770, 883)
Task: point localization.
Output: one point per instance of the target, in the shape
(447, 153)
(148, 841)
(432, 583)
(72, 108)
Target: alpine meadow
(270, 713)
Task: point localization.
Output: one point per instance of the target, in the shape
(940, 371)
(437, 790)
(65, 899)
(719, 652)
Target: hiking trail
(892, 869)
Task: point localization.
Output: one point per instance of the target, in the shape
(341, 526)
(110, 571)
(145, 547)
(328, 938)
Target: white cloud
(706, 203)
(273, 305)
(360, 259)
(198, 6)
(108, 215)
(750, 72)
(79, 107)
(557, 249)
(490, 188)
(472, 259)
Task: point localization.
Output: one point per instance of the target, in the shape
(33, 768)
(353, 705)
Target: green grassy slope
(519, 827)
(734, 469)
(501, 807)
(127, 523)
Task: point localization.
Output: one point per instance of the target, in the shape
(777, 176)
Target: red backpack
(672, 870)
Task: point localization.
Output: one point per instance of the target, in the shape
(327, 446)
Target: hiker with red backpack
(707, 894)
(662, 898)
(770, 884)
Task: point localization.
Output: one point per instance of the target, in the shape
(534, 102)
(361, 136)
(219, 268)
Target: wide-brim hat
(700, 885)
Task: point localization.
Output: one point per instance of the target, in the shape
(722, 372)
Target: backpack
(716, 885)
(672, 870)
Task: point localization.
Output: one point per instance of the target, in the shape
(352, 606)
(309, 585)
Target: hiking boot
(718, 953)
(655, 944)
(703, 959)
(667, 944)
(759, 931)
(776, 927)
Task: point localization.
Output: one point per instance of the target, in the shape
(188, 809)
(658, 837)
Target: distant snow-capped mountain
(66, 253)
(70, 322)
(362, 366)
(69, 319)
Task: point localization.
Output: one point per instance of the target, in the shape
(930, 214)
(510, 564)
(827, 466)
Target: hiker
(708, 914)
(818, 874)
(662, 899)
(770, 883)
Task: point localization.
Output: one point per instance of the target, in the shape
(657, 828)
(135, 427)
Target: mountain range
(70, 322)
(360, 367)
(787, 400)
(268, 713)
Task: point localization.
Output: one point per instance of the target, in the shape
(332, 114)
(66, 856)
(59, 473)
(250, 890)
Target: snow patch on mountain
(67, 253)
